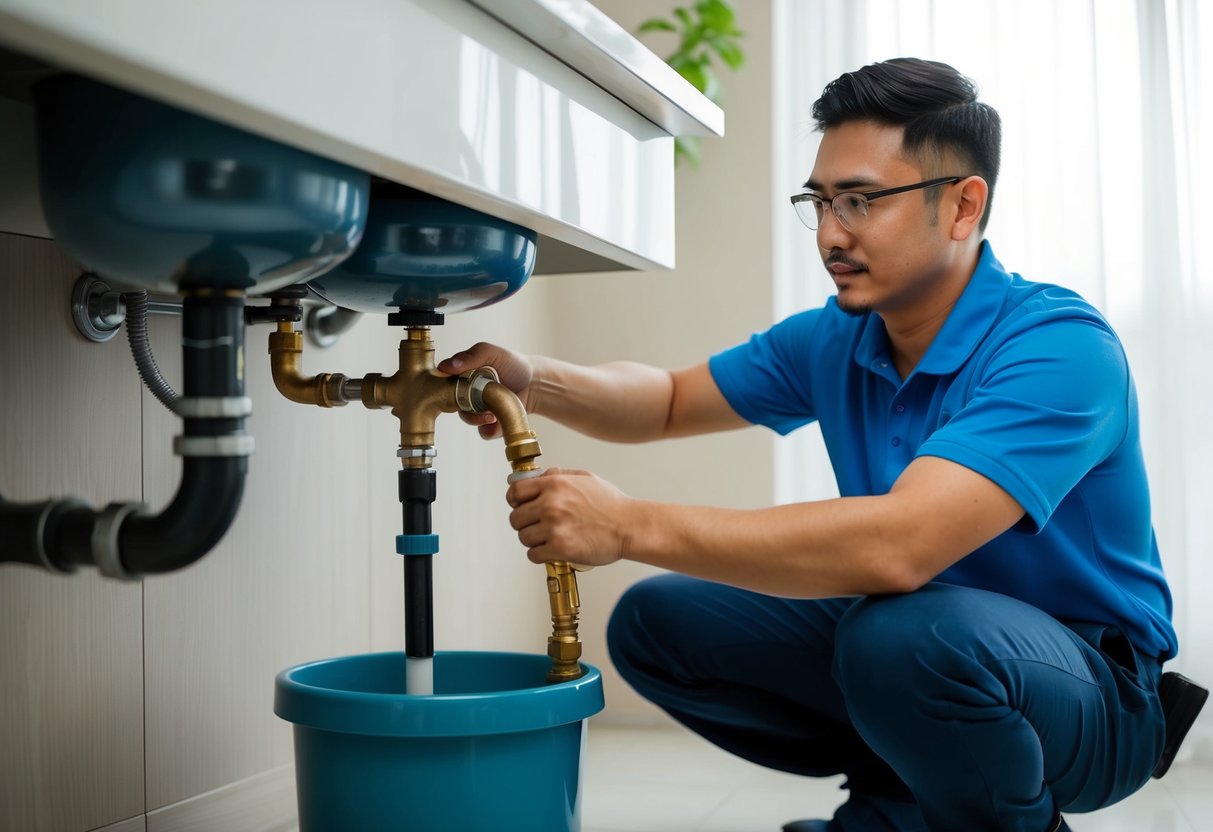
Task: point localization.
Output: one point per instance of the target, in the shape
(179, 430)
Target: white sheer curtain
(1106, 187)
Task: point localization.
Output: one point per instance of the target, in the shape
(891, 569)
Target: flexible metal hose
(141, 349)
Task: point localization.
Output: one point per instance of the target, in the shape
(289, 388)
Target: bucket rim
(302, 698)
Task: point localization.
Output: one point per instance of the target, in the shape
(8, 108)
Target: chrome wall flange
(97, 311)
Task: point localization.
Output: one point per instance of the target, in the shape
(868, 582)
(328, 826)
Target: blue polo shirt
(1026, 384)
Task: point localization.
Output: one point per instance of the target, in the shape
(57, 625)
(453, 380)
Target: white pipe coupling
(213, 407)
(104, 542)
(232, 444)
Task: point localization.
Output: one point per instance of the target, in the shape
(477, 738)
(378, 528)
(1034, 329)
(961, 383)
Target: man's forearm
(935, 514)
(619, 402)
(823, 549)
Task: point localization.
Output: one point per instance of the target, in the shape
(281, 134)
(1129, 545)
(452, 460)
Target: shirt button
(884, 364)
(901, 408)
(896, 441)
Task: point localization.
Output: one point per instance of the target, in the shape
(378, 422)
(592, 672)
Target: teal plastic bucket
(493, 749)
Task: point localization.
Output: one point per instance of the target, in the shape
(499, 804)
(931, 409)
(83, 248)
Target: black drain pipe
(122, 540)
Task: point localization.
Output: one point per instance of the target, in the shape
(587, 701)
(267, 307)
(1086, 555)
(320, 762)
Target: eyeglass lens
(849, 209)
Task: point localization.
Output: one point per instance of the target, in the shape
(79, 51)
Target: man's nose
(831, 233)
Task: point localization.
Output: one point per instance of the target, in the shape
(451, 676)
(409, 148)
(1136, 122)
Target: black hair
(936, 106)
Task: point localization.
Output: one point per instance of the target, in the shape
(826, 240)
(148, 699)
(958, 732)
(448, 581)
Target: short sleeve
(1049, 405)
(767, 379)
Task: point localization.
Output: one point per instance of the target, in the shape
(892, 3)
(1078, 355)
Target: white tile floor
(665, 779)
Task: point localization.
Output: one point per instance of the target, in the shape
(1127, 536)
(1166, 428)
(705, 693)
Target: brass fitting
(286, 364)
(521, 445)
(521, 449)
(564, 648)
(417, 393)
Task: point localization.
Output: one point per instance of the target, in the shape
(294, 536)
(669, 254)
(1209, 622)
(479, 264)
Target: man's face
(898, 255)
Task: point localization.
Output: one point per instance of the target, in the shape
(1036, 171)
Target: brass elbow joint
(286, 364)
(479, 391)
(521, 444)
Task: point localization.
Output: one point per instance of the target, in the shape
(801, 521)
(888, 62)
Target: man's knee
(888, 641)
(637, 622)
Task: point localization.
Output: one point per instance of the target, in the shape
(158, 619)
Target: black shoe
(807, 826)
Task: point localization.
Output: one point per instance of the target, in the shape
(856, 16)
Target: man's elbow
(899, 574)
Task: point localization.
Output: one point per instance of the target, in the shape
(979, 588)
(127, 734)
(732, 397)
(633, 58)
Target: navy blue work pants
(947, 708)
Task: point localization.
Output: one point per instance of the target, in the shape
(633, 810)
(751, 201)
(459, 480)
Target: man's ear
(970, 206)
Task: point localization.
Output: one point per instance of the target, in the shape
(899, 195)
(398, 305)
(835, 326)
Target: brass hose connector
(564, 646)
(522, 449)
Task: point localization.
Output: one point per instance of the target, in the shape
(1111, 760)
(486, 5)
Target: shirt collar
(970, 319)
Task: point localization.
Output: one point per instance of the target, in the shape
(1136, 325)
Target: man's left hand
(570, 515)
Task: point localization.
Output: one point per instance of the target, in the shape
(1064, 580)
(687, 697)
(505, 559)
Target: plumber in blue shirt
(973, 632)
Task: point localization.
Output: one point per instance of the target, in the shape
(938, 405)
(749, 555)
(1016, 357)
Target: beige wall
(149, 705)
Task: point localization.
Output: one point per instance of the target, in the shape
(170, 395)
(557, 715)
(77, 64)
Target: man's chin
(852, 307)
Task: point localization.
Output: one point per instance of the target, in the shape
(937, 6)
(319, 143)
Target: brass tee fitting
(416, 393)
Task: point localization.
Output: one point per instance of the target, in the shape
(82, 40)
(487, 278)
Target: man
(973, 633)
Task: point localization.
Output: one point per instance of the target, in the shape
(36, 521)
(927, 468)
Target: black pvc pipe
(193, 523)
(417, 492)
(23, 531)
(61, 537)
(212, 340)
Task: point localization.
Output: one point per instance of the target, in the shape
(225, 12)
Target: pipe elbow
(286, 367)
(521, 445)
(504, 404)
(120, 539)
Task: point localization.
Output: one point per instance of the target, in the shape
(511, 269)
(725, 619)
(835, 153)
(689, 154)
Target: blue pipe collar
(416, 544)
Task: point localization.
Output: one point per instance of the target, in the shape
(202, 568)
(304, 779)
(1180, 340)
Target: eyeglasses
(851, 209)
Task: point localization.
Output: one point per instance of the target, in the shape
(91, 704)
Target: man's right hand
(514, 369)
(621, 401)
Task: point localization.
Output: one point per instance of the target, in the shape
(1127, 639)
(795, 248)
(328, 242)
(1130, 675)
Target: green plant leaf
(705, 28)
(657, 24)
(728, 51)
(715, 14)
(678, 58)
(693, 72)
(692, 38)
